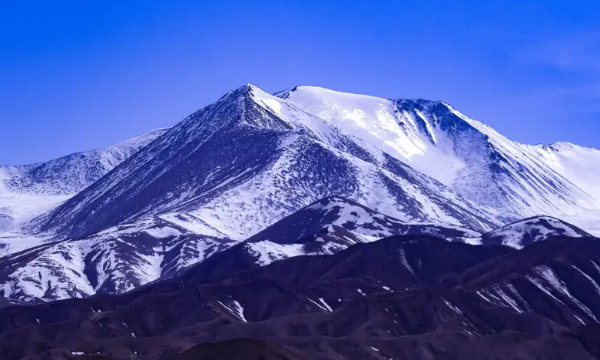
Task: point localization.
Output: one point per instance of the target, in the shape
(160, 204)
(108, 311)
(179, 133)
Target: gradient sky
(77, 75)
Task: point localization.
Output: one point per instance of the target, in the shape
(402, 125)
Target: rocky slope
(527, 231)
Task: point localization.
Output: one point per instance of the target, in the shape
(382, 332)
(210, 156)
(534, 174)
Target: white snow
(560, 180)
(540, 227)
(404, 261)
(325, 304)
(31, 190)
(236, 309)
(267, 252)
(590, 279)
(376, 121)
(551, 279)
(451, 306)
(163, 232)
(321, 306)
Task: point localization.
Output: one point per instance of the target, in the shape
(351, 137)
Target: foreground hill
(400, 297)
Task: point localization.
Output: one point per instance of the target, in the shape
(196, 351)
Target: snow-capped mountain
(309, 171)
(506, 178)
(229, 159)
(30, 190)
(248, 160)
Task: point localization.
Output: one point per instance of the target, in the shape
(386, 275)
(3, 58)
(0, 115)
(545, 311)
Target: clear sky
(76, 75)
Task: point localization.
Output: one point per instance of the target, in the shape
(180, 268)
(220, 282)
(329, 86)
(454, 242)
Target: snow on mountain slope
(113, 261)
(124, 257)
(528, 231)
(325, 227)
(333, 224)
(121, 258)
(248, 160)
(360, 224)
(565, 271)
(27, 191)
(581, 165)
(508, 179)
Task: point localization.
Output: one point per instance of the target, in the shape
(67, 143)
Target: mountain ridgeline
(307, 224)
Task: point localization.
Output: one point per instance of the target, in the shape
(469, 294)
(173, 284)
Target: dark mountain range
(240, 349)
(413, 297)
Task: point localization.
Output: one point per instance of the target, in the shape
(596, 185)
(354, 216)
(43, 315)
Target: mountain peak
(247, 88)
(418, 101)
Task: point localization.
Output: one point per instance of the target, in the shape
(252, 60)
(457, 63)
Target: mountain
(507, 179)
(116, 260)
(236, 349)
(323, 228)
(416, 160)
(121, 258)
(30, 190)
(309, 171)
(332, 225)
(564, 271)
(414, 297)
(525, 232)
(246, 161)
(363, 223)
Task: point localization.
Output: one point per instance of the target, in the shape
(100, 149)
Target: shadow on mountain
(404, 297)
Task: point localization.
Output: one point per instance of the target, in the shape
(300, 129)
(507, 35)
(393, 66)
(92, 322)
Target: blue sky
(76, 75)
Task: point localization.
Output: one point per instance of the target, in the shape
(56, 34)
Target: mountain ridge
(467, 155)
(400, 297)
(275, 125)
(345, 168)
(29, 190)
